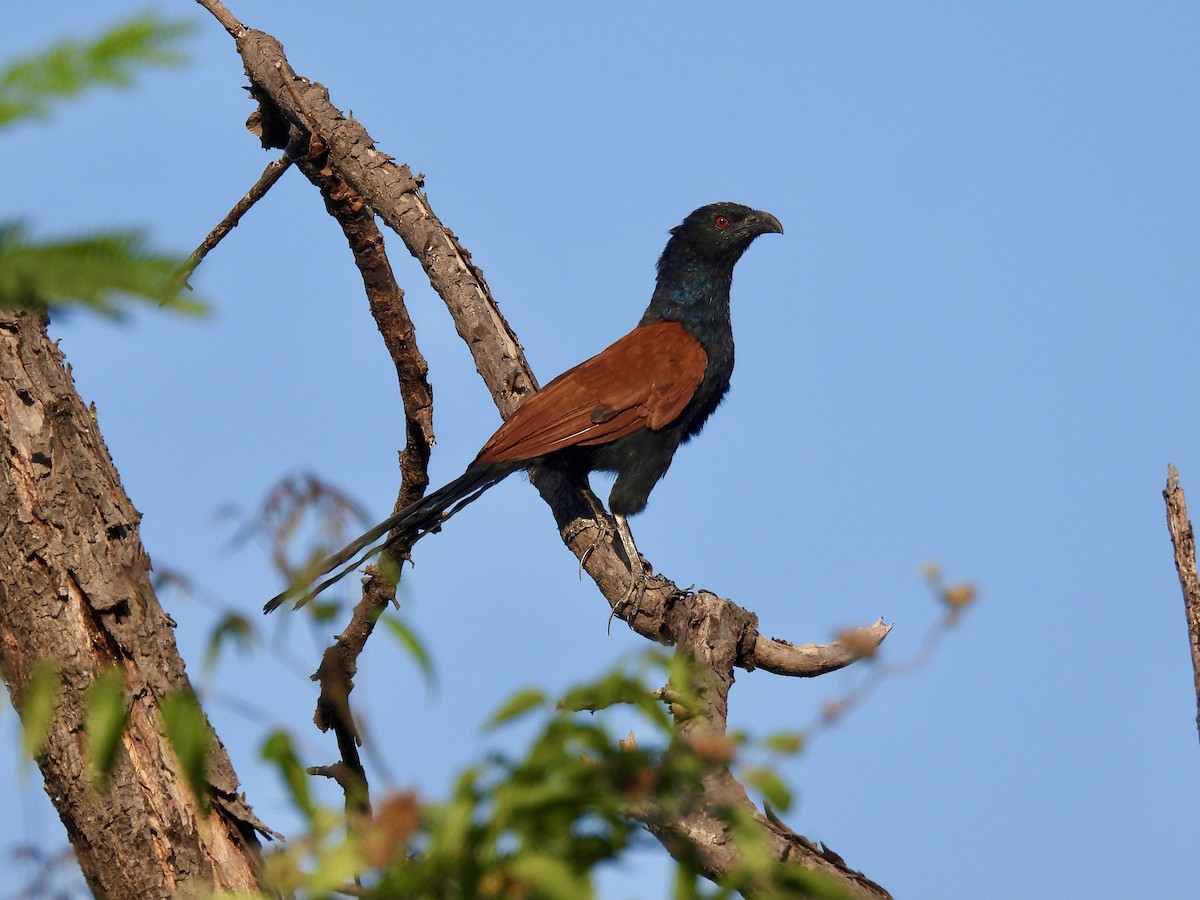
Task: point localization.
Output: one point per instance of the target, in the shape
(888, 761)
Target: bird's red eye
(722, 222)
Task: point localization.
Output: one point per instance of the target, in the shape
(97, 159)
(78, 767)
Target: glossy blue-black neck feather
(695, 293)
(695, 271)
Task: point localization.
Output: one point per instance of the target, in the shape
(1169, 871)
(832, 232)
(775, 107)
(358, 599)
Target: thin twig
(227, 19)
(271, 174)
(834, 710)
(1184, 540)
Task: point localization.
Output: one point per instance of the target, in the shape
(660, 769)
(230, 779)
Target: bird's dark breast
(643, 457)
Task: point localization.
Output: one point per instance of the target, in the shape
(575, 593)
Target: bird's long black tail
(413, 521)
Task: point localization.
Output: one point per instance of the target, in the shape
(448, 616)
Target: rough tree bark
(1183, 539)
(75, 590)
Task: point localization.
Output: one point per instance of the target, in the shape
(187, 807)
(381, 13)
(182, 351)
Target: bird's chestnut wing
(644, 380)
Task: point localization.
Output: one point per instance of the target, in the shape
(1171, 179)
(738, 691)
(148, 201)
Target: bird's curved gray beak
(767, 223)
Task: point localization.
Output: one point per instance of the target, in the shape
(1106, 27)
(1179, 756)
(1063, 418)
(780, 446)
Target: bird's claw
(638, 573)
(601, 533)
(633, 595)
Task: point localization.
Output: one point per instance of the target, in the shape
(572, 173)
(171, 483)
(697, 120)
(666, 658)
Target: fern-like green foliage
(29, 86)
(97, 270)
(100, 270)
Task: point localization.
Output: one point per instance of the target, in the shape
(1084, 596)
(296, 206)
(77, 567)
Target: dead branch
(810, 660)
(717, 636)
(1184, 541)
(716, 631)
(271, 174)
(340, 660)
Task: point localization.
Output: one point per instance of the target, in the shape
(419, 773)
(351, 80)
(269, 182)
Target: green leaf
(232, 628)
(551, 877)
(788, 743)
(95, 270)
(686, 883)
(28, 86)
(336, 865)
(190, 737)
(104, 717)
(324, 611)
(516, 706)
(279, 749)
(771, 786)
(617, 688)
(410, 642)
(685, 677)
(755, 857)
(39, 702)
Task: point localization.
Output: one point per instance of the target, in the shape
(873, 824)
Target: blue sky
(975, 344)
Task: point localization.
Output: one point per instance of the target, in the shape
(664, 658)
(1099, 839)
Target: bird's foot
(639, 574)
(602, 534)
(631, 604)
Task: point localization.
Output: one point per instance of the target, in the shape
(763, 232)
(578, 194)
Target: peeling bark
(75, 590)
(1183, 539)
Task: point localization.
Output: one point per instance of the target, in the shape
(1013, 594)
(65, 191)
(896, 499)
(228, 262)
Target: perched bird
(625, 410)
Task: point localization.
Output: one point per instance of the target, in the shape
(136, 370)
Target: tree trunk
(75, 590)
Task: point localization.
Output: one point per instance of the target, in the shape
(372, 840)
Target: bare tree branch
(339, 663)
(1184, 541)
(716, 635)
(717, 632)
(811, 660)
(224, 16)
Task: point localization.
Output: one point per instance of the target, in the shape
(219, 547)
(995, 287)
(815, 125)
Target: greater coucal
(625, 410)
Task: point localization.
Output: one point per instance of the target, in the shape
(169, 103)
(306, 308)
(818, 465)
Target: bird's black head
(717, 234)
(695, 271)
